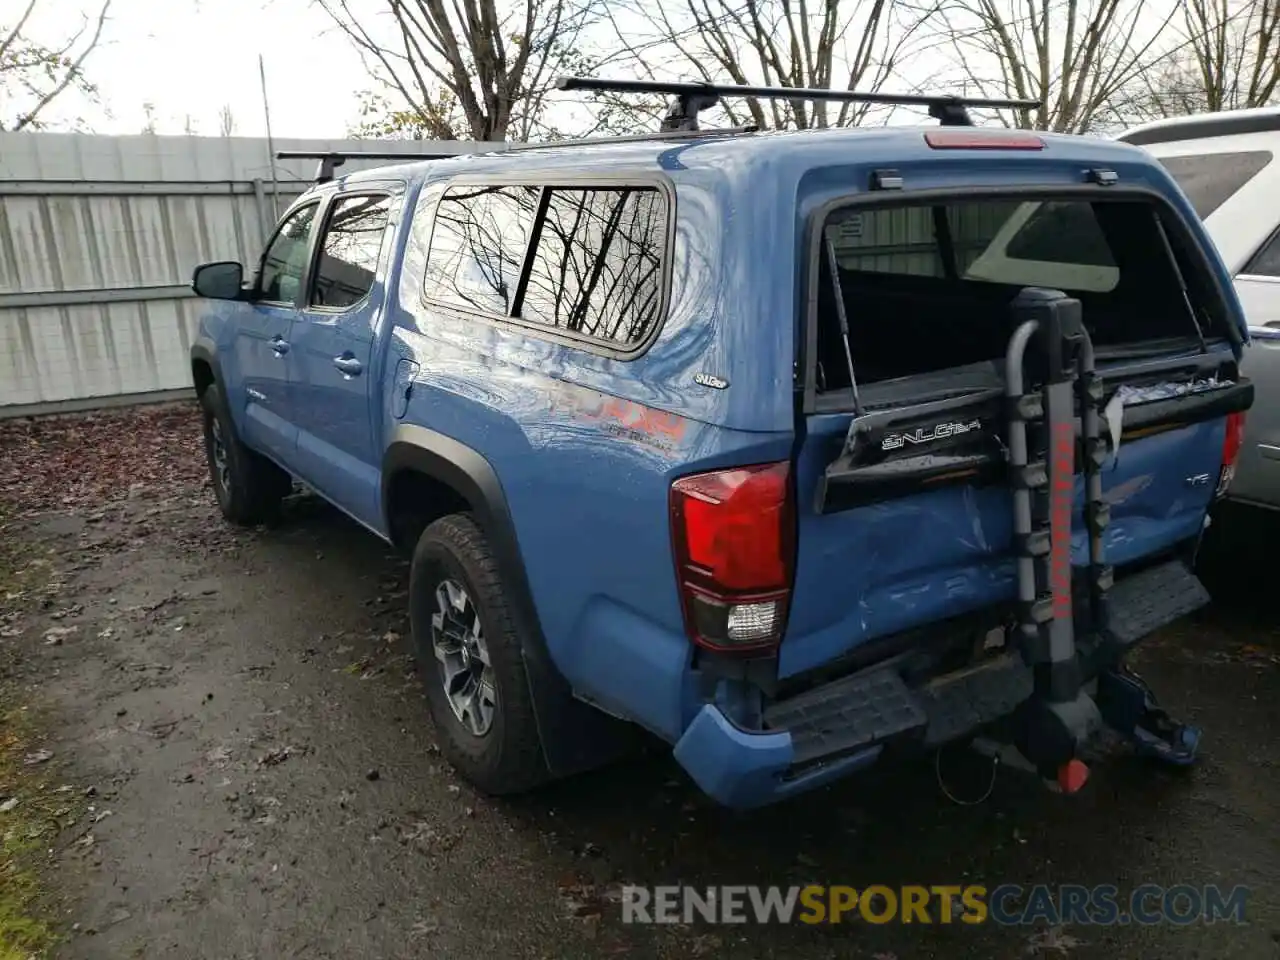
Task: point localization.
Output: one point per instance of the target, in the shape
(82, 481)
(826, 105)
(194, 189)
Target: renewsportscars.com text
(1007, 904)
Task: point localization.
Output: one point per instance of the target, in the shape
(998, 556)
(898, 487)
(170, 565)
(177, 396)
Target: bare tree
(1225, 56)
(842, 44)
(33, 73)
(1073, 56)
(473, 68)
(226, 121)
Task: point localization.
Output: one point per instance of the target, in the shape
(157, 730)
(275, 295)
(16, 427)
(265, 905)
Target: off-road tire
(508, 757)
(250, 488)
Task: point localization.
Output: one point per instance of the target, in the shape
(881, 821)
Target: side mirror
(220, 280)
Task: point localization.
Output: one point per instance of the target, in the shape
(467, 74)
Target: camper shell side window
(585, 262)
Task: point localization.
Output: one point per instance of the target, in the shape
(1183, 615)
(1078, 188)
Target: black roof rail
(691, 98)
(330, 160)
(633, 138)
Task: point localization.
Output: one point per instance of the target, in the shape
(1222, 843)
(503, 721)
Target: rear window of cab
(588, 263)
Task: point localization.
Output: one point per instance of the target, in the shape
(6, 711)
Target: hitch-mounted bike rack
(1043, 443)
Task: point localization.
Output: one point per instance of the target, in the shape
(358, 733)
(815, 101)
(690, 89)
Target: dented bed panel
(922, 558)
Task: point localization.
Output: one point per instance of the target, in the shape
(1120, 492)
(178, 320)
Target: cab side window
(349, 251)
(280, 276)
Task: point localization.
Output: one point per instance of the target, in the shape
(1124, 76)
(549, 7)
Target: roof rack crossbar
(692, 98)
(330, 160)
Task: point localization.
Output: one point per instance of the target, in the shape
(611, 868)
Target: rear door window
(349, 251)
(1210, 180)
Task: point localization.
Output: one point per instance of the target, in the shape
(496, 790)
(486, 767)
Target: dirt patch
(265, 781)
(66, 470)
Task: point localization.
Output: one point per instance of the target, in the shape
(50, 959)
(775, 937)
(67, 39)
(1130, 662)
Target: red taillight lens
(734, 533)
(1230, 450)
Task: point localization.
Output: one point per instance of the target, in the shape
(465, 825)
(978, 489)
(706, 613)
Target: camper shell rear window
(926, 286)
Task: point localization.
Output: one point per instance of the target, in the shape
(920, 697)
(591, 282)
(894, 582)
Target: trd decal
(623, 418)
(656, 424)
(921, 435)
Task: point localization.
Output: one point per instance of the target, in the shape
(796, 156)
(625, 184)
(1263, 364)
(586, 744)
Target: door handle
(279, 345)
(349, 366)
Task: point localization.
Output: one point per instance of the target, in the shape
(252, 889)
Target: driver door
(262, 348)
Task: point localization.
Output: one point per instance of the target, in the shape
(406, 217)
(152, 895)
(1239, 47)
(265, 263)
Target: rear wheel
(248, 487)
(468, 650)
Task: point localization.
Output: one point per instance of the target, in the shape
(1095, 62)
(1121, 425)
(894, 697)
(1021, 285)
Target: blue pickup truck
(798, 450)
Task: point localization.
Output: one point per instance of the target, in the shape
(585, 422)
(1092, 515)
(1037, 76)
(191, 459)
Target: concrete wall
(98, 236)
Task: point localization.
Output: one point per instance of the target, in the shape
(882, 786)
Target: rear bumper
(846, 725)
(742, 769)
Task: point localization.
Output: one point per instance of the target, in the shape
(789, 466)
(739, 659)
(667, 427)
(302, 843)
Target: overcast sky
(190, 57)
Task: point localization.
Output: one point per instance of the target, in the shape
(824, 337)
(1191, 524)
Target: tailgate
(906, 510)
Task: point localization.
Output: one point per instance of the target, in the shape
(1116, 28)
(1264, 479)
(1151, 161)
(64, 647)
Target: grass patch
(26, 832)
(32, 810)
(22, 932)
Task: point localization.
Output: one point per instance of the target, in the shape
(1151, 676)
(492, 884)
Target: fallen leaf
(704, 944)
(38, 756)
(54, 635)
(218, 755)
(155, 451)
(1052, 939)
(275, 757)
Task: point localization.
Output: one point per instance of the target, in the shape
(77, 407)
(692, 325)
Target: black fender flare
(204, 351)
(574, 735)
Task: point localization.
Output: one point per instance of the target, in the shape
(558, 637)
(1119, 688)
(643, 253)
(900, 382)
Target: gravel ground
(239, 711)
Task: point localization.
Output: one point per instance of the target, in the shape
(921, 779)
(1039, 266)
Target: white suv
(1228, 165)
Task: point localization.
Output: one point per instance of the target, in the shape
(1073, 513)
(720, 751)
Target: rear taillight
(734, 539)
(1230, 451)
